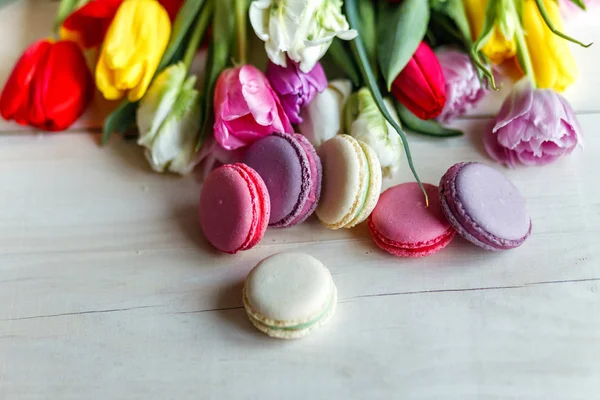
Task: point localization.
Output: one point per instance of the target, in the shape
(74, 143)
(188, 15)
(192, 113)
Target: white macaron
(288, 295)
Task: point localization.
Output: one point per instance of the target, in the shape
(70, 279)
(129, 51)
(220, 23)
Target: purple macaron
(292, 172)
(484, 207)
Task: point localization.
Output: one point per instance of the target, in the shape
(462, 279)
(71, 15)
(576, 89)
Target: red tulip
(88, 25)
(49, 88)
(421, 86)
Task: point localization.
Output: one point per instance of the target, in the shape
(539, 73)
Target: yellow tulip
(553, 63)
(132, 49)
(498, 48)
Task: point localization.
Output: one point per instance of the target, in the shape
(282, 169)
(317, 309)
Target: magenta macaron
(292, 172)
(404, 226)
(484, 206)
(234, 208)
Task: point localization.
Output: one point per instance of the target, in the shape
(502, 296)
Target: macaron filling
(304, 325)
(365, 193)
(428, 247)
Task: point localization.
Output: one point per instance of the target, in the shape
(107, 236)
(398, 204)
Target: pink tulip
(246, 108)
(296, 89)
(534, 127)
(463, 88)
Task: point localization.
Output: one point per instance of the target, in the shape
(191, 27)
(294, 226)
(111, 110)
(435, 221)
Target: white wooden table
(109, 291)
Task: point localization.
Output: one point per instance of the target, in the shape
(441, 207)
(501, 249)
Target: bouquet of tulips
(367, 68)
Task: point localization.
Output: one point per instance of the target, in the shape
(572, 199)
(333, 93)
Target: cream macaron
(351, 182)
(288, 295)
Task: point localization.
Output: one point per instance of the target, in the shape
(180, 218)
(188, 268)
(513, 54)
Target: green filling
(306, 324)
(365, 195)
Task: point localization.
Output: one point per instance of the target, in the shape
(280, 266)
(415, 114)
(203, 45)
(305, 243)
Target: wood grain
(109, 291)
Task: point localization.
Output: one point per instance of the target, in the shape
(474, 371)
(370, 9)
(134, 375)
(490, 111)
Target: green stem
(544, 13)
(65, 8)
(202, 22)
(523, 56)
(360, 53)
(241, 30)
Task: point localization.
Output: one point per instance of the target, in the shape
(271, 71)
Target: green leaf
(183, 23)
(429, 127)
(455, 11)
(401, 29)
(368, 29)
(123, 117)
(343, 60)
(120, 120)
(369, 77)
(218, 58)
(478, 59)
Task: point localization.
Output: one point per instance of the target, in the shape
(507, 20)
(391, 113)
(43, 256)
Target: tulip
(168, 120)
(132, 49)
(246, 108)
(49, 88)
(553, 63)
(322, 119)
(420, 86)
(295, 88)
(463, 87)
(301, 30)
(365, 122)
(88, 25)
(534, 127)
(501, 46)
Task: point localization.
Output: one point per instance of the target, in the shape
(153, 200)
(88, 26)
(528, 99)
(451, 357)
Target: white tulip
(322, 119)
(365, 122)
(168, 120)
(302, 29)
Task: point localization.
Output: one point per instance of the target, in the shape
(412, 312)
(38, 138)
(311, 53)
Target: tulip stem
(548, 20)
(203, 20)
(65, 8)
(523, 56)
(241, 29)
(360, 53)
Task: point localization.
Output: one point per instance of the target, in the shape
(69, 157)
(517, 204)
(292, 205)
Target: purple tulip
(463, 88)
(534, 127)
(295, 88)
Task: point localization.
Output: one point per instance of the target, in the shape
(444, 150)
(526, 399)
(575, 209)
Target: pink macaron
(292, 171)
(404, 226)
(234, 208)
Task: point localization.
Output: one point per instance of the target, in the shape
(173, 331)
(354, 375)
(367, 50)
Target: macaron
(351, 182)
(234, 208)
(292, 171)
(403, 225)
(288, 295)
(484, 206)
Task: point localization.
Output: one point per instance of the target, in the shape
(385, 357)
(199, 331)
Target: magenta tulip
(296, 89)
(246, 108)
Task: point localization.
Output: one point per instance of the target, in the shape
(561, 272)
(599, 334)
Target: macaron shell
(262, 207)
(344, 163)
(484, 207)
(282, 165)
(233, 208)
(402, 224)
(296, 333)
(374, 187)
(288, 289)
(316, 176)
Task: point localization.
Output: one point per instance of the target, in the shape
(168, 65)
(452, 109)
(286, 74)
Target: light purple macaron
(292, 172)
(484, 207)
